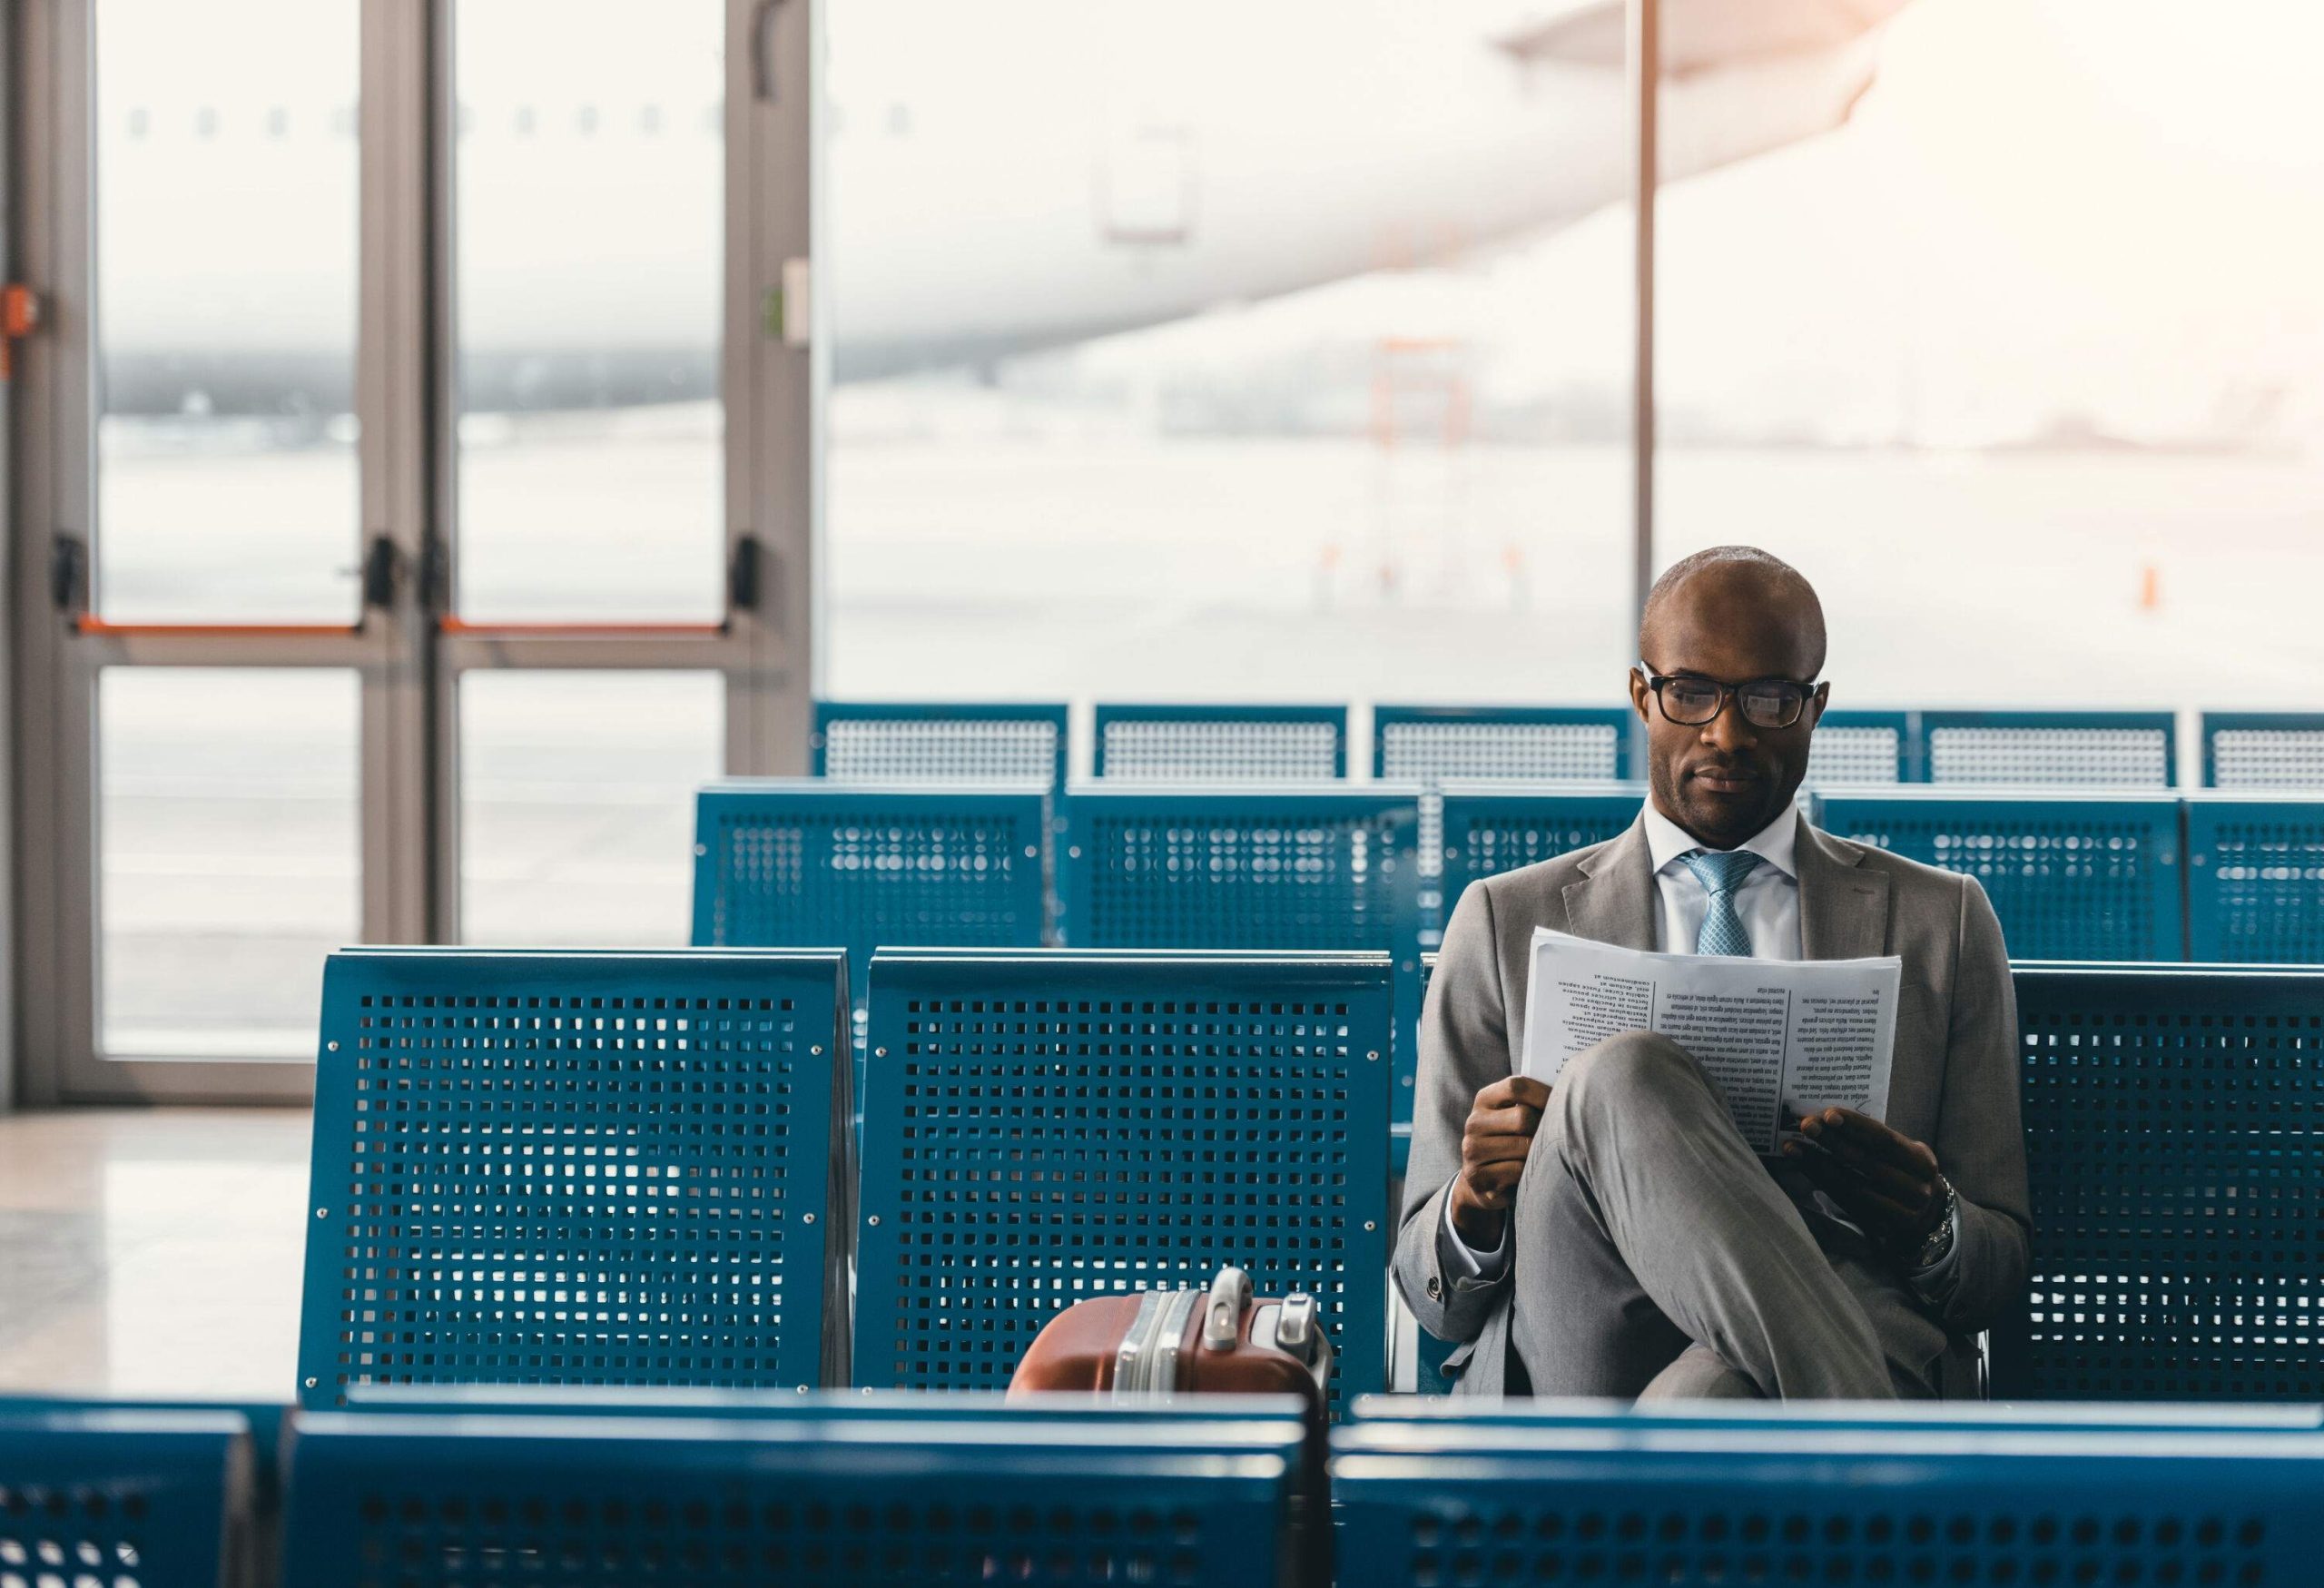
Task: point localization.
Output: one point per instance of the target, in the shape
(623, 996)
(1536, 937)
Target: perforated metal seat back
(2056, 749)
(1039, 1129)
(1221, 744)
(2255, 880)
(802, 863)
(2171, 1124)
(2264, 750)
(1863, 748)
(124, 1498)
(896, 742)
(2094, 878)
(1488, 832)
(578, 1168)
(1253, 869)
(1699, 1510)
(1499, 744)
(383, 1500)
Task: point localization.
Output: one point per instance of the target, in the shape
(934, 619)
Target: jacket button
(1435, 1289)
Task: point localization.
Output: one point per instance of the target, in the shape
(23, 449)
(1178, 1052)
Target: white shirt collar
(1665, 841)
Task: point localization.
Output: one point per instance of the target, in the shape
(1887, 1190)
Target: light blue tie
(1722, 871)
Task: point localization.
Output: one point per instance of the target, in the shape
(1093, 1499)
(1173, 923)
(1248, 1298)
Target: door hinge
(68, 574)
(746, 576)
(382, 574)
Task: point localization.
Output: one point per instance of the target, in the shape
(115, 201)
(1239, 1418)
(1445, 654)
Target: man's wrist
(1478, 1226)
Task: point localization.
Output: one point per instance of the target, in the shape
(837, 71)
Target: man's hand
(1886, 1182)
(1493, 1146)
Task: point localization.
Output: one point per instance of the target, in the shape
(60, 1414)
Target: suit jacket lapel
(1843, 908)
(1614, 900)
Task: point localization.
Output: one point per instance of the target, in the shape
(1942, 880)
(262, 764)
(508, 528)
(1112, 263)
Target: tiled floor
(152, 1252)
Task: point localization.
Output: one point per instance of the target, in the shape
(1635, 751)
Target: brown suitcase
(1158, 1343)
(1161, 1345)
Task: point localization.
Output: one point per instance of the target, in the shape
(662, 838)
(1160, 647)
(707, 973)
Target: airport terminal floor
(152, 1252)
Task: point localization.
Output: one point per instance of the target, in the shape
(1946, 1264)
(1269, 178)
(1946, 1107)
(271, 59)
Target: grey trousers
(1656, 1258)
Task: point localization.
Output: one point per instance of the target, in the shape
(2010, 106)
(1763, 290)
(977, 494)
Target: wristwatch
(1940, 1239)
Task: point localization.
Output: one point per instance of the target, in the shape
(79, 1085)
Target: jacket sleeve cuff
(1464, 1262)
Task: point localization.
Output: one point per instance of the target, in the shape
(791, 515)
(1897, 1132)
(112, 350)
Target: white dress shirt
(1767, 901)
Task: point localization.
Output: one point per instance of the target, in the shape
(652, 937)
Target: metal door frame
(408, 655)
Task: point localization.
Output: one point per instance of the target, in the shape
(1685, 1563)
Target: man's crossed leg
(1654, 1255)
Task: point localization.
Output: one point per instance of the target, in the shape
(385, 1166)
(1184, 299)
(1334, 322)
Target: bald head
(1730, 615)
(1748, 594)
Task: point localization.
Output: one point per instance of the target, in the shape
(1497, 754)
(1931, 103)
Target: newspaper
(1783, 1038)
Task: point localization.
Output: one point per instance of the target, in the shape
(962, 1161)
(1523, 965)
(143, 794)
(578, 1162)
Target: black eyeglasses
(1765, 703)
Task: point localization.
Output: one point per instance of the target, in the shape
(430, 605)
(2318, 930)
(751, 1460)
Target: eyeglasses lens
(1770, 707)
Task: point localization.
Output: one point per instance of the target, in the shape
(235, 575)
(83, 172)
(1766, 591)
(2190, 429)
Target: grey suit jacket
(1954, 1085)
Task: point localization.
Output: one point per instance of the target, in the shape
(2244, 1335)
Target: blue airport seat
(2052, 749)
(1044, 1128)
(947, 743)
(1960, 1417)
(93, 1493)
(2255, 879)
(1504, 1500)
(761, 1406)
(800, 862)
(1503, 743)
(1857, 749)
(449, 1502)
(2263, 749)
(2172, 1122)
(1488, 831)
(2092, 875)
(1220, 744)
(1322, 867)
(578, 1168)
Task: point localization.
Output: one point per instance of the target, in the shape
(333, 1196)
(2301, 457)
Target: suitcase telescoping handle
(1222, 1319)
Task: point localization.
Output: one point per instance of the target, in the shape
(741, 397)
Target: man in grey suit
(1616, 1234)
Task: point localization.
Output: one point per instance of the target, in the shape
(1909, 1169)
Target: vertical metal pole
(1645, 57)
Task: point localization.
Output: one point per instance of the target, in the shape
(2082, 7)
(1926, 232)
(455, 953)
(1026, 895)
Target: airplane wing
(1702, 35)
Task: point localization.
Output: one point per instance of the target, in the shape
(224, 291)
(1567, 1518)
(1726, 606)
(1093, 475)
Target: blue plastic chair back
(2087, 876)
(2172, 1123)
(1503, 744)
(1220, 744)
(1490, 831)
(578, 1168)
(2052, 749)
(440, 1502)
(2255, 879)
(796, 862)
(1314, 868)
(1865, 749)
(1693, 1506)
(799, 863)
(1915, 1417)
(855, 1405)
(2263, 749)
(98, 1494)
(1330, 867)
(889, 742)
(1041, 1129)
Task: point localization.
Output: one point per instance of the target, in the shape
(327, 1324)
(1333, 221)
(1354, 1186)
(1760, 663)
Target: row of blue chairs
(2097, 875)
(501, 1487)
(954, 743)
(2216, 878)
(638, 1168)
